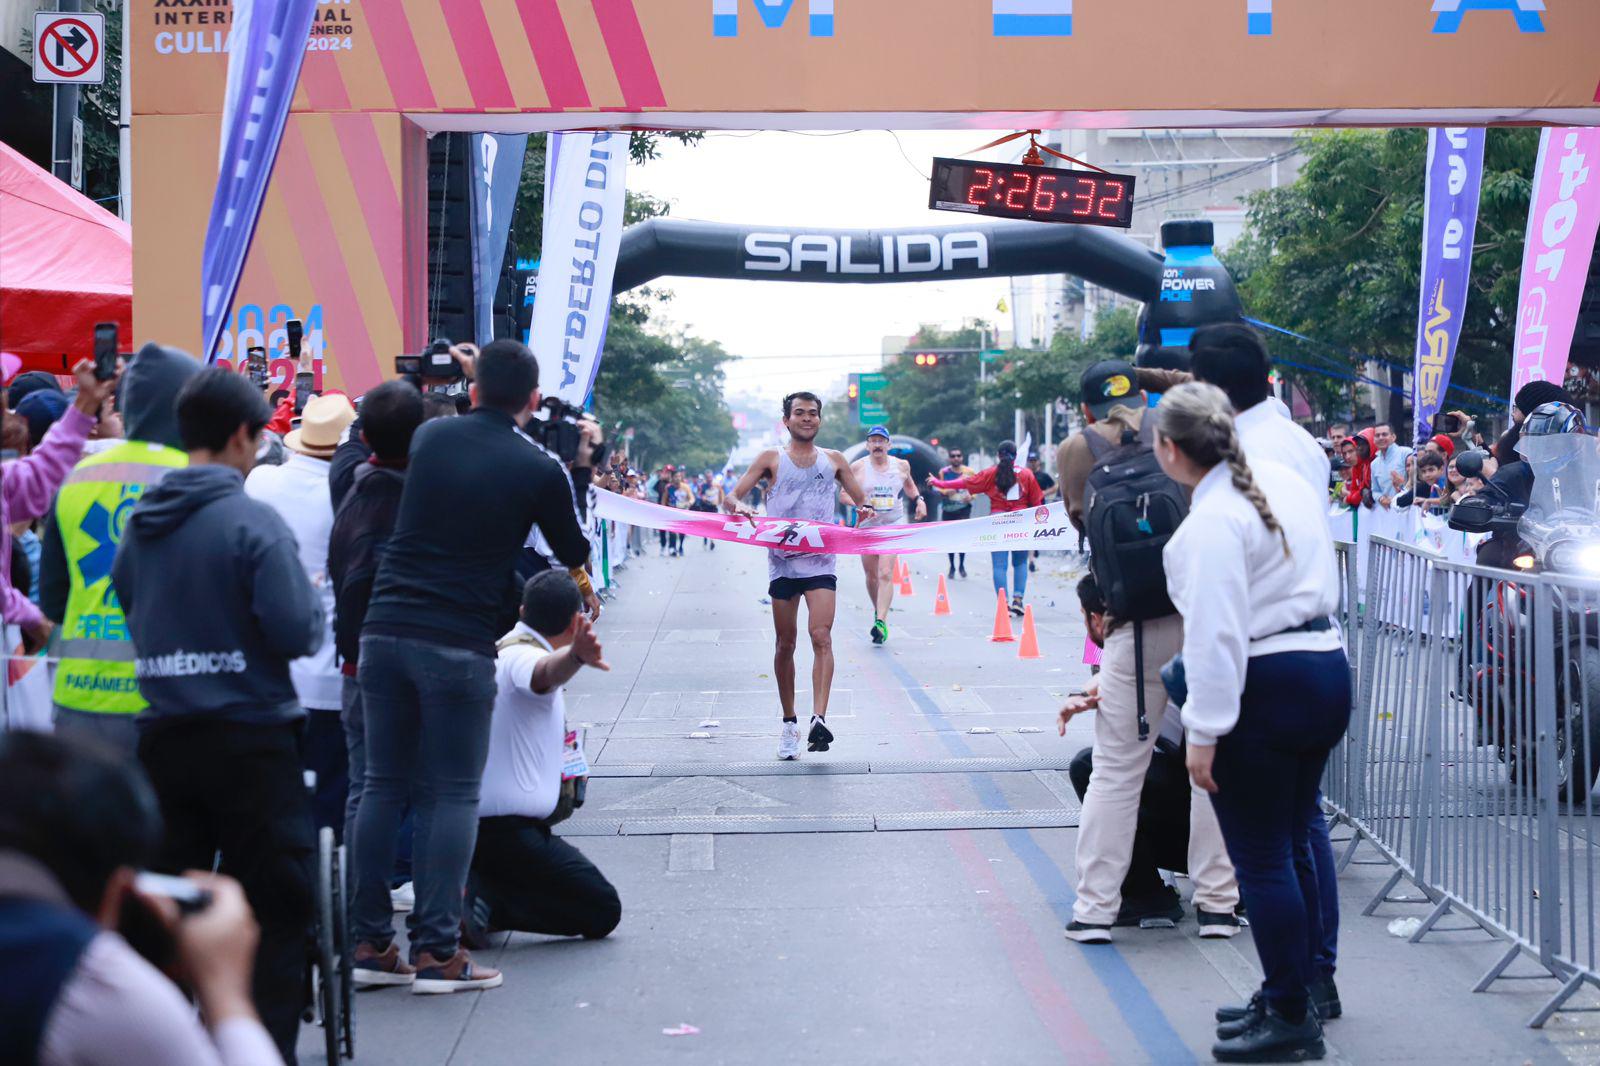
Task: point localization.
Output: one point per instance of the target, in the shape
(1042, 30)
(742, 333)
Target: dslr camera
(436, 364)
(558, 431)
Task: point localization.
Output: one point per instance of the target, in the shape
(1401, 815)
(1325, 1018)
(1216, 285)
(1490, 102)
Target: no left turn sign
(69, 47)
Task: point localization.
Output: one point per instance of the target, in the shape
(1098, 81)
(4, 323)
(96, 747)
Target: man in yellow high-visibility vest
(96, 690)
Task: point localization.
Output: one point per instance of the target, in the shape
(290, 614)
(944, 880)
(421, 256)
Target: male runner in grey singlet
(805, 484)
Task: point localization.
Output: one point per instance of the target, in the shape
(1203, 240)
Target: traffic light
(927, 359)
(855, 391)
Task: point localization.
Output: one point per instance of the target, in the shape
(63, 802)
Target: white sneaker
(404, 897)
(789, 743)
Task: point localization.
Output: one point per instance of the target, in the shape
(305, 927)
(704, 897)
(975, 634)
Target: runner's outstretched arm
(764, 466)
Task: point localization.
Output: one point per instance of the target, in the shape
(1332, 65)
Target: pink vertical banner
(1562, 220)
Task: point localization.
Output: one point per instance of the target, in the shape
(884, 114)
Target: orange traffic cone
(1029, 648)
(905, 580)
(1002, 620)
(941, 600)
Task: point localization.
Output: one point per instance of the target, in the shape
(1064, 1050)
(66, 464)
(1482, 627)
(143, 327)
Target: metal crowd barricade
(1473, 749)
(1336, 779)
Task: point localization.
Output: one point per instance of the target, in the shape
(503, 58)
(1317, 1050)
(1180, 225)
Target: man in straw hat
(298, 491)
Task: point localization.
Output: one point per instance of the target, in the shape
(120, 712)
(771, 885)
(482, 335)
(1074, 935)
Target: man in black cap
(1111, 402)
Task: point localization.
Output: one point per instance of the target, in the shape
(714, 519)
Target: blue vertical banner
(267, 46)
(496, 172)
(1449, 225)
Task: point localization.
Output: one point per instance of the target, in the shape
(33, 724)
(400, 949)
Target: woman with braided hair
(1268, 697)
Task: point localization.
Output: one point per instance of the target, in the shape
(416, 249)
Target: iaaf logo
(1053, 18)
(904, 253)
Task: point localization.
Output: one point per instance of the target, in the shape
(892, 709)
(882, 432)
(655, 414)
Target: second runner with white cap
(883, 478)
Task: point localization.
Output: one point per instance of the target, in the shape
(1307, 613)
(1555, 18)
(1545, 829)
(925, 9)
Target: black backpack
(1131, 510)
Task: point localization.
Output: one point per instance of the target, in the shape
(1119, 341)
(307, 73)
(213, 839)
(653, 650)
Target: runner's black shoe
(820, 736)
(880, 631)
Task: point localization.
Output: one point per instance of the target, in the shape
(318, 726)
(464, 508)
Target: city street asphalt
(900, 898)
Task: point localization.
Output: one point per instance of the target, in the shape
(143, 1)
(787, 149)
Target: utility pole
(66, 118)
(125, 124)
(983, 375)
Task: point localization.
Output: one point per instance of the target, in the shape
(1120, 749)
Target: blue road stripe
(822, 25)
(1033, 25)
(1260, 23)
(725, 25)
(1139, 1010)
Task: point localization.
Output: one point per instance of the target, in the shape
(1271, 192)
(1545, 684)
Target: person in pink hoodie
(28, 486)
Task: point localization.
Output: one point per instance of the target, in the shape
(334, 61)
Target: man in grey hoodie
(96, 689)
(217, 604)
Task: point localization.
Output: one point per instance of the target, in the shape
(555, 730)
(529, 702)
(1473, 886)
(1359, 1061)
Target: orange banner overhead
(1111, 57)
(341, 242)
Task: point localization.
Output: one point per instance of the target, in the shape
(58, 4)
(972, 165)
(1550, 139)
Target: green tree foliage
(528, 227)
(1336, 255)
(1032, 379)
(668, 390)
(942, 401)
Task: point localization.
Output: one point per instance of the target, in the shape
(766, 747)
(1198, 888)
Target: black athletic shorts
(787, 588)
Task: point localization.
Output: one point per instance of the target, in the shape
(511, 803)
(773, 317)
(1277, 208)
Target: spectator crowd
(261, 616)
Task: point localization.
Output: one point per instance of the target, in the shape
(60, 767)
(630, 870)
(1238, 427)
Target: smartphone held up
(105, 351)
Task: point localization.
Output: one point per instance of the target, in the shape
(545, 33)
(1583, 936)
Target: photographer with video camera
(442, 374)
(571, 437)
(443, 596)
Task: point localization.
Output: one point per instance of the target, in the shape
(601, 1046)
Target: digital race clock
(1043, 194)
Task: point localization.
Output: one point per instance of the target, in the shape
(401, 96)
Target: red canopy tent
(65, 264)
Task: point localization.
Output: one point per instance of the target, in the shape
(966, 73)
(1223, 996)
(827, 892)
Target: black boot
(1273, 1038)
(1325, 999)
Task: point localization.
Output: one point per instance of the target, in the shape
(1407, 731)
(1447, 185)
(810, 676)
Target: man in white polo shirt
(524, 878)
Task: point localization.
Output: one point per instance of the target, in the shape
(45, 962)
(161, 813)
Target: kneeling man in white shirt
(524, 878)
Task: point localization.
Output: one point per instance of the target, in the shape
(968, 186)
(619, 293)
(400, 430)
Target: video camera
(558, 431)
(435, 364)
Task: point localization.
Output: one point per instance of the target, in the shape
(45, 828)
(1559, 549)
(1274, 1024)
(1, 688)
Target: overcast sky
(783, 333)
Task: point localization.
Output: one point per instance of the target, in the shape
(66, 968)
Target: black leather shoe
(1273, 1038)
(1239, 1012)
(1325, 999)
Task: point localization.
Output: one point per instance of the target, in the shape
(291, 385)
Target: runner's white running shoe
(789, 743)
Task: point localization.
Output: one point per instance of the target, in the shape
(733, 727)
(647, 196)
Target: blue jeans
(355, 742)
(1268, 770)
(426, 709)
(1019, 569)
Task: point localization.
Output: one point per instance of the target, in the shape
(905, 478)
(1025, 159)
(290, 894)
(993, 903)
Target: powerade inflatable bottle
(1196, 290)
